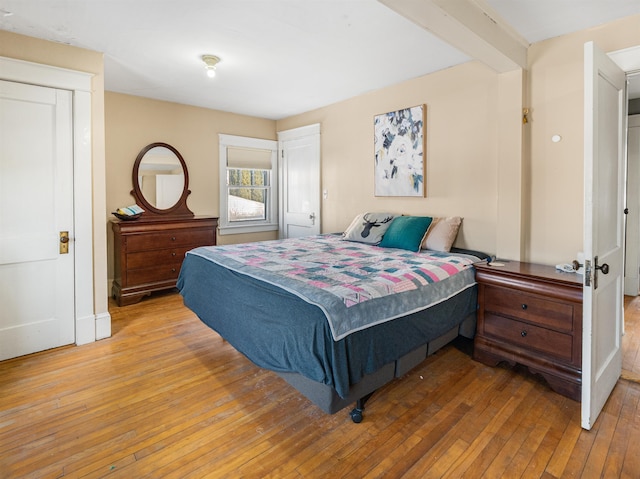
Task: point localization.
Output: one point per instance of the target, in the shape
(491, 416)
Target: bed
(336, 319)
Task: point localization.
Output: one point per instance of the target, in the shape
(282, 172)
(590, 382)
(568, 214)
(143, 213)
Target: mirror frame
(180, 208)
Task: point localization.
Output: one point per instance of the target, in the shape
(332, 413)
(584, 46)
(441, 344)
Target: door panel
(604, 230)
(36, 204)
(300, 182)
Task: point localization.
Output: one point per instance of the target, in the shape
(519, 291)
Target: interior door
(36, 208)
(299, 181)
(605, 128)
(632, 237)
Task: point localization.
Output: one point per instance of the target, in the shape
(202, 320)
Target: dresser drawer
(552, 343)
(528, 307)
(154, 274)
(169, 239)
(145, 259)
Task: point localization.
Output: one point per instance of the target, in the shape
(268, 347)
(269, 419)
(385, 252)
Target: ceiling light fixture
(210, 62)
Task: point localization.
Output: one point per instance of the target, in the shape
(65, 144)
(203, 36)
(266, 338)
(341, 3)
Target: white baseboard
(86, 330)
(103, 325)
(92, 328)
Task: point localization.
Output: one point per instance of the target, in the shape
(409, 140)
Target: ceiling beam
(471, 27)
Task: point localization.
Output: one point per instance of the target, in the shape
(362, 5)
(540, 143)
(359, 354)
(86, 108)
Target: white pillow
(442, 233)
(368, 227)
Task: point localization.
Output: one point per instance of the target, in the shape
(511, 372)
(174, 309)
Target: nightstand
(531, 314)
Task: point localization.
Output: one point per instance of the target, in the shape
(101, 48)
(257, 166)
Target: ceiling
(279, 57)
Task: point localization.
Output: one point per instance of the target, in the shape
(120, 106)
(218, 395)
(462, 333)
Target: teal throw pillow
(406, 232)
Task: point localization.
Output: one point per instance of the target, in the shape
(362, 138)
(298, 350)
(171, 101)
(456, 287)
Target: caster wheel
(356, 416)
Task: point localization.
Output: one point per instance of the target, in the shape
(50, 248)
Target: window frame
(227, 227)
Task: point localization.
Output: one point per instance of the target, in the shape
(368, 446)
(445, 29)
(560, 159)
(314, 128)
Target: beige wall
(461, 154)
(556, 74)
(465, 137)
(64, 56)
(133, 122)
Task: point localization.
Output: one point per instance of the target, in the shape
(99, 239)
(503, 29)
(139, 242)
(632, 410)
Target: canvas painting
(399, 152)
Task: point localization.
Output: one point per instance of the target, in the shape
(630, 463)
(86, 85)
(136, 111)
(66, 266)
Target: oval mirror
(160, 180)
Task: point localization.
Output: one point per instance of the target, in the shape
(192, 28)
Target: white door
(632, 241)
(36, 205)
(605, 129)
(299, 181)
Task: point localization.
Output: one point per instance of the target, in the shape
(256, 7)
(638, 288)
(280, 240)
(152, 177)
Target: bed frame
(326, 398)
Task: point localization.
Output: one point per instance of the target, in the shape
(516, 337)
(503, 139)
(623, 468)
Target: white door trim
(632, 242)
(300, 132)
(629, 60)
(309, 134)
(80, 84)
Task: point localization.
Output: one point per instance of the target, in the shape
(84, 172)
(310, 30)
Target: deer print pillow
(368, 227)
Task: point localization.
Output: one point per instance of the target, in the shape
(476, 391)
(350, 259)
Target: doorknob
(64, 242)
(312, 217)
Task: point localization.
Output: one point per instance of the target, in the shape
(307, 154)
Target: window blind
(248, 158)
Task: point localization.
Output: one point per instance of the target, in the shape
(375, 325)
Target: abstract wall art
(400, 145)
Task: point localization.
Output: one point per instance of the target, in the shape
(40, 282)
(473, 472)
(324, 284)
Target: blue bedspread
(356, 285)
(278, 330)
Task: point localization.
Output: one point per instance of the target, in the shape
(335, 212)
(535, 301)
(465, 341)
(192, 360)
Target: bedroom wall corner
(510, 133)
(132, 122)
(461, 152)
(556, 86)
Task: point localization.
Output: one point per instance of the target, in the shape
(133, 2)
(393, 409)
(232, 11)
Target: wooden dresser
(148, 253)
(532, 315)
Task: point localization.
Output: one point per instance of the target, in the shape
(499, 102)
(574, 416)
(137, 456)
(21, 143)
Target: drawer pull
(173, 238)
(173, 253)
(523, 333)
(173, 270)
(524, 307)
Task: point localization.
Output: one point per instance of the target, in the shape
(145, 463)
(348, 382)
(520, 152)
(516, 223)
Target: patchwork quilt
(356, 285)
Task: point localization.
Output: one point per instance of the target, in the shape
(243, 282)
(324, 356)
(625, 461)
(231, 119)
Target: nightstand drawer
(529, 307)
(528, 336)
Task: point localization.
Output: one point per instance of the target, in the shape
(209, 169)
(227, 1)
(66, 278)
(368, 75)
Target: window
(248, 185)
(248, 194)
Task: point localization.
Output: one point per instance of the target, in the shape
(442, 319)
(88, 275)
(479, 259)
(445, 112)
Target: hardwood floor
(166, 397)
